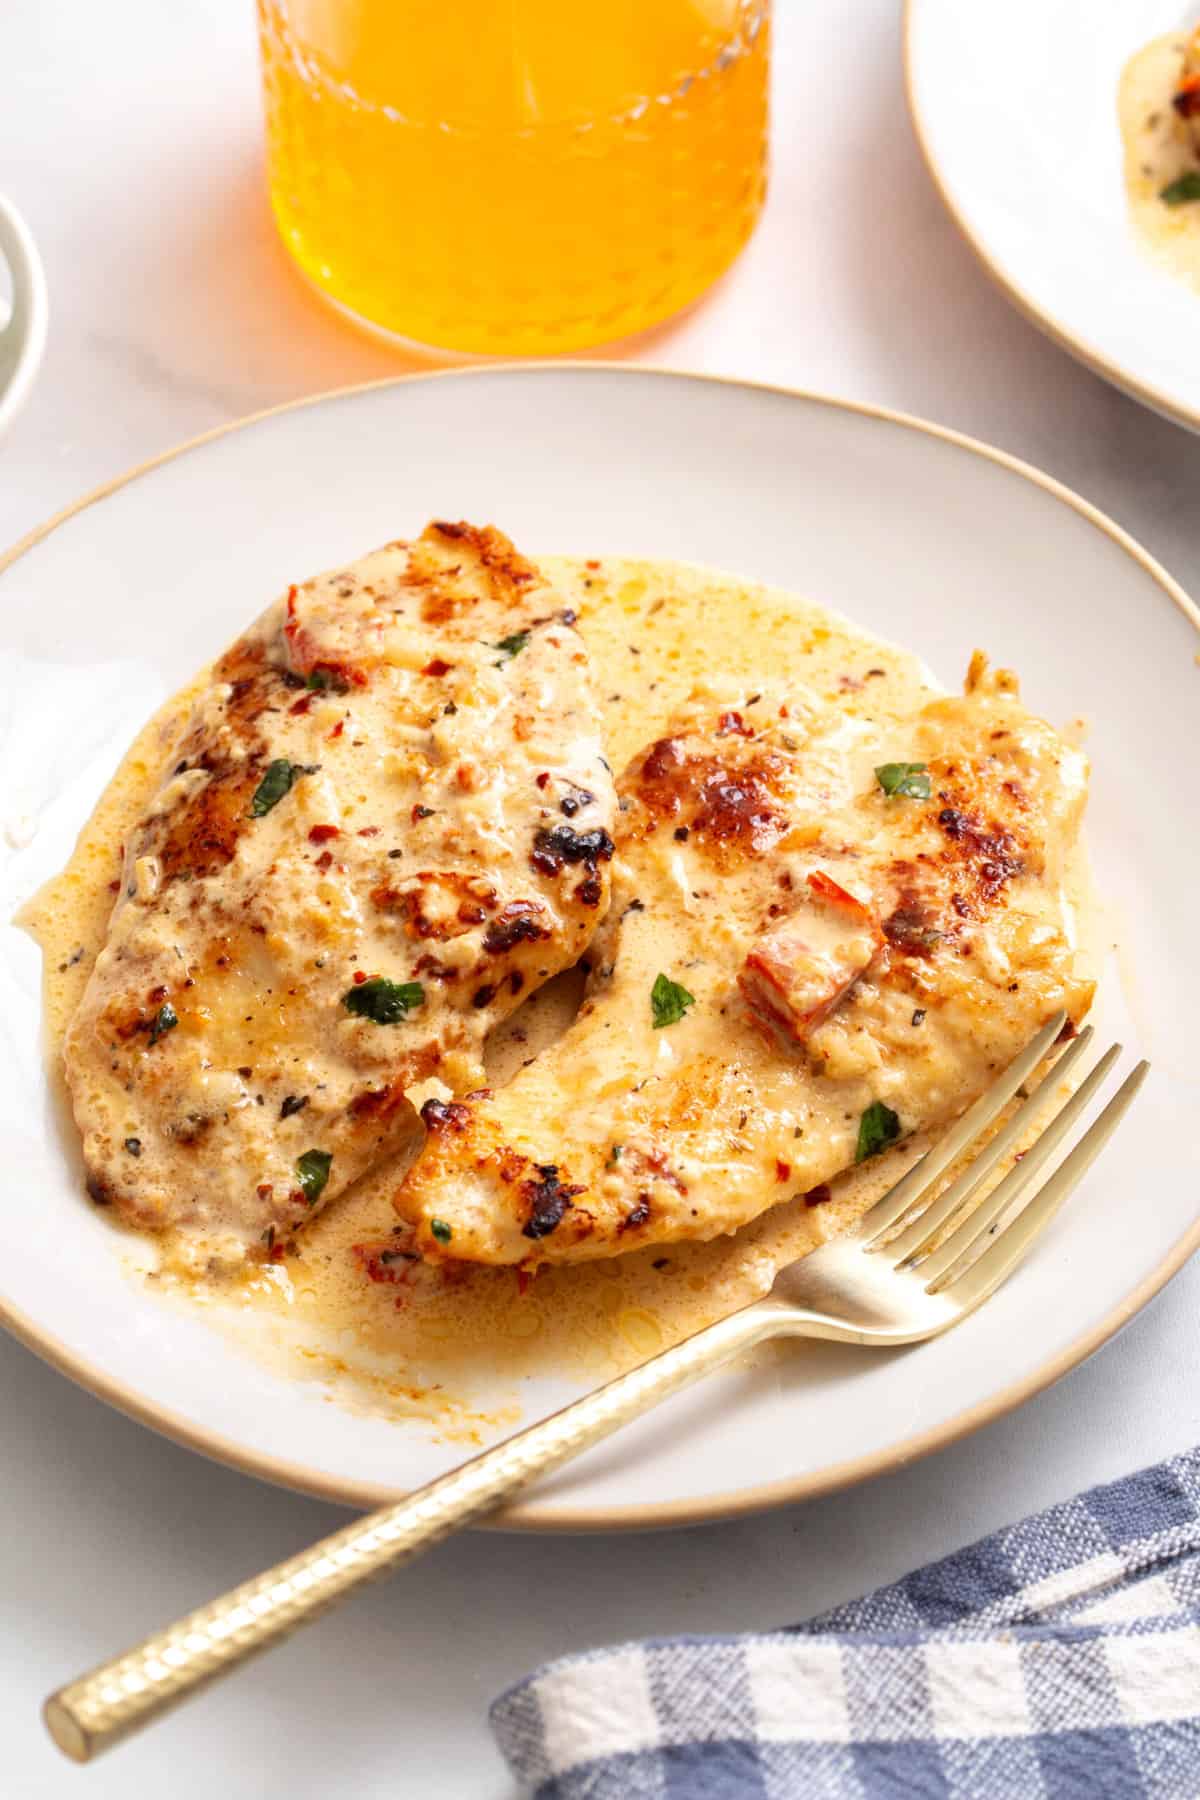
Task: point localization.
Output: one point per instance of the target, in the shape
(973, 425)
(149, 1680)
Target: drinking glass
(515, 176)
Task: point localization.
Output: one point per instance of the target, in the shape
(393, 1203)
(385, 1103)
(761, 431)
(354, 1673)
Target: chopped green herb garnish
(878, 1127)
(312, 1172)
(274, 785)
(614, 1156)
(511, 646)
(387, 1002)
(440, 1230)
(321, 680)
(165, 1019)
(1187, 187)
(669, 1001)
(908, 779)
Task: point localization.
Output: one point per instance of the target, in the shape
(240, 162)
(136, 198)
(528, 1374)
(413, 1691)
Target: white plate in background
(923, 537)
(1015, 108)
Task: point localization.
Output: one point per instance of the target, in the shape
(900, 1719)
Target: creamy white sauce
(419, 1346)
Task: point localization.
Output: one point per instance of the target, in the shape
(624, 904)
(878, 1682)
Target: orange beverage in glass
(515, 176)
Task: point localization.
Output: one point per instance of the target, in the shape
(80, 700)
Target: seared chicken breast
(387, 822)
(821, 939)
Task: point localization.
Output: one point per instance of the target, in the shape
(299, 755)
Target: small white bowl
(23, 333)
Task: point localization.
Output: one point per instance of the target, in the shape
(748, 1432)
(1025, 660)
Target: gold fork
(866, 1288)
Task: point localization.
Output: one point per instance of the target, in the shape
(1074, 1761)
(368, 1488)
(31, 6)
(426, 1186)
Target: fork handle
(120, 1696)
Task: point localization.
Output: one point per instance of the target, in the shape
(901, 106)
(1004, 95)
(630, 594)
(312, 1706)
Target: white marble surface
(130, 137)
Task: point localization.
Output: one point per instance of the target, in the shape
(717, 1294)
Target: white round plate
(1015, 107)
(919, 534)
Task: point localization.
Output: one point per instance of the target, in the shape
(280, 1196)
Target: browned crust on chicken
(360, 798)
(834, 946)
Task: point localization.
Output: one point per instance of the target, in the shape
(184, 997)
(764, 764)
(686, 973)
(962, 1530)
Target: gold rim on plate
(1009, 286)
(535, 1515)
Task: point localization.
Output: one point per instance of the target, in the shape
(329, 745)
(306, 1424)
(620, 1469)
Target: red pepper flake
(338, 729)
(386, 1262)
(321, 834)
(733, 724)
(325, 860)
(301, 705)
(524, 1278)
(369, 831)
(818, 1196)
(543, 779)
(359, 977)
(264, 1190)
(782, 1170)
(437, 667)
(114, 887)
(276, 1253)
(592, 564)
(1186, 99)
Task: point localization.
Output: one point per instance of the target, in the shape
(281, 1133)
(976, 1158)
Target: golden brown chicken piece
(386, 824)
(820, 940)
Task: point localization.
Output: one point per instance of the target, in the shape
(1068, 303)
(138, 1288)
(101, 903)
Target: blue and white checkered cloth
(1059, 1657)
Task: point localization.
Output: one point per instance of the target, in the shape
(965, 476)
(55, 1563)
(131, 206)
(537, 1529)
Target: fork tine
(984, 1275)
(913, 1240)
(1018, 1178)
(909, 1189)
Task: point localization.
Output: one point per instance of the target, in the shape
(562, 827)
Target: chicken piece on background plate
(821, 939)
(1186, 98)
(387, 822)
